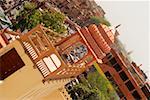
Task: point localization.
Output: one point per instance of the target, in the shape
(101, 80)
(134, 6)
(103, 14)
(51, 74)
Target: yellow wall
(27, 81)
(23, 79)
(55, 95)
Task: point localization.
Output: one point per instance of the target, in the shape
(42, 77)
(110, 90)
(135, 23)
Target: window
(109, 56)
(74, 53)
(107, 74)
(129, 85)
(67, 58)
(113, 82)
(113, 61)
(119, 92)
(123, 76)
(146, 91)
(111, 79)
(136, 95)
(124, 98)
(117, 67)
(52, 62)
(10, 62)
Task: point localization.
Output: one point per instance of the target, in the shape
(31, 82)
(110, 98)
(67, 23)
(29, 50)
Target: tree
(54, 20)
(23, 18)
(94, 87)
(32, 15)
(97, 20)
(29, 5)
(34, 19)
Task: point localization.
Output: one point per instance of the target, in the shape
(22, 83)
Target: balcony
(66, 58)
(45, 56)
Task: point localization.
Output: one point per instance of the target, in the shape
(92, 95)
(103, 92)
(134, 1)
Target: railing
(43, 68)
(30, 50)
(40, 64)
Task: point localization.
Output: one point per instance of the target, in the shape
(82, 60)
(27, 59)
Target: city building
(82, 10)
(11, 7)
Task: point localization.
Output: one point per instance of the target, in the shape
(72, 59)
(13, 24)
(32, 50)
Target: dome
(110, 31)
(99, 38)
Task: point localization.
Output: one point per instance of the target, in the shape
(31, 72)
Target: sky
(134, 33)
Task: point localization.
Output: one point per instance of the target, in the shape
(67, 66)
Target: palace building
(39, 67)
(35, 64)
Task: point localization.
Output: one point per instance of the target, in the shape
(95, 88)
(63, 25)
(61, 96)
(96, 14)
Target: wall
(26, 83)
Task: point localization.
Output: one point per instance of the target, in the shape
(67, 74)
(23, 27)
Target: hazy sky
(133, 17)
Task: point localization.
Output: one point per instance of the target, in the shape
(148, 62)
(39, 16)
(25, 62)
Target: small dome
(110, 31)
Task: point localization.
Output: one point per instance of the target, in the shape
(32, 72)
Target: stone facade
(78, 11)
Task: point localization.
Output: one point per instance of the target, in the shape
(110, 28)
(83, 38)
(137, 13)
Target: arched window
(74, 53)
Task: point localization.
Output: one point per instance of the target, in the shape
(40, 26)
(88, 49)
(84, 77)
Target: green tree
(54, 20)
(34, 19)
(95, 87)
(29, 5)
(32, 15)
(97, 20)
(23, 19)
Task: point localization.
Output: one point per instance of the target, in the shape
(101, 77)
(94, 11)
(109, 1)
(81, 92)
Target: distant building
(78, 11)
(11, 7)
